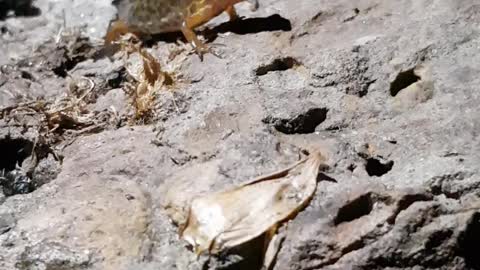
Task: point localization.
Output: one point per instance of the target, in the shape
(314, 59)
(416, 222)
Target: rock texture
(387, 89)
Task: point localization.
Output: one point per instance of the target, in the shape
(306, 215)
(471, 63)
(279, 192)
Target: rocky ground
(388, 90)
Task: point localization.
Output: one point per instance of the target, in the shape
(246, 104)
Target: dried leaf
(228, 219)
(274, 241)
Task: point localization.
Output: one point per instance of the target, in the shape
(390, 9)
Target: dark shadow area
(12, 180)
(279, 64)
(18, 8)
(437, 238)
(468, 243)
(16, 177)
(324, 177)
(66, 57)
(301, 124)
(249, 26)
(170, 37)
(241, 26)
(248, 255)
(14, 151)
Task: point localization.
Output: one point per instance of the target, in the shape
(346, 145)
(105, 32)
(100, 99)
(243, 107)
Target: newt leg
(192, 38)
(232, 13)
(116, 29)
(197, 18)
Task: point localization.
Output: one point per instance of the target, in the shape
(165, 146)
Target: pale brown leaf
(231, 218)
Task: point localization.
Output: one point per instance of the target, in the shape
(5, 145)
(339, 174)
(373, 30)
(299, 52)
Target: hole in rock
(468, 243)
(27, 75)
(375, 167)
(402, 81)
(301, 124)
(280, 64)
(352, 167)
(355, 209)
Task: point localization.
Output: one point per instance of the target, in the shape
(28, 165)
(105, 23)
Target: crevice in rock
(316, 18)
(359, 244)
(402, 81)
(73, 51)
(437, 238)
(405, 202)
(301, 124)
(17, 177)
(354, 209)
(356, 245)
(355, 11)
(375, 167)
(117, 78)
(279, 64)
(468, 243)
(66, 65)
(444, 185)
(12, 179)
(448, 194)
(14, 151)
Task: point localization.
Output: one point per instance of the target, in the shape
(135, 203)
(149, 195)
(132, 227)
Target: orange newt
(161, 16)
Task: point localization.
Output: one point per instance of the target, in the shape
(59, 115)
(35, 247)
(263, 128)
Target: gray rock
(44, 256)
(7, 222)
(388, 90)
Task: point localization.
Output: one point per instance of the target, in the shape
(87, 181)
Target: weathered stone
(387, 89)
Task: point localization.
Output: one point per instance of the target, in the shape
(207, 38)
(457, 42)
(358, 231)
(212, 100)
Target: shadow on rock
(241, 26)
(23, 8)
(250, 26)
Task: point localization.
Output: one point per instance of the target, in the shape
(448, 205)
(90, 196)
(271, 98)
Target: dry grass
(148, 80)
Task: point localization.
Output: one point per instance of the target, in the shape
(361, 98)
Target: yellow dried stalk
(149, 82)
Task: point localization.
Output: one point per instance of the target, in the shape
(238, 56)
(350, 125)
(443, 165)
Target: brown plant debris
(54, 120)
(148, 78)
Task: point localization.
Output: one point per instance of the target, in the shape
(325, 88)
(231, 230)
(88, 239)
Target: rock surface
(387, 89)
